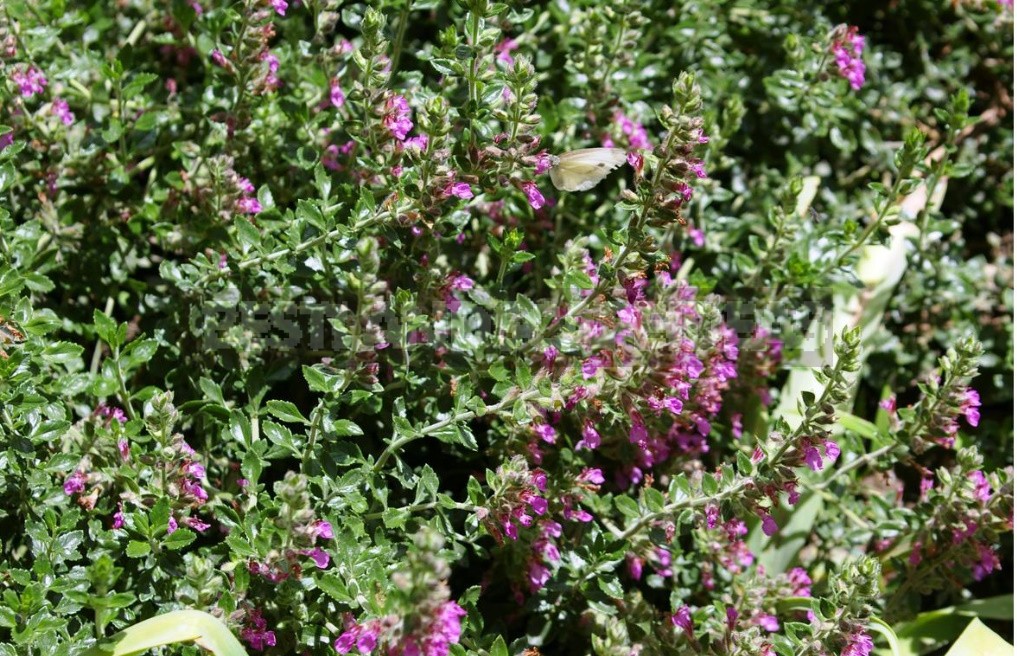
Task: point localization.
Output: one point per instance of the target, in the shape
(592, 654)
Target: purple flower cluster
(672, 405)
(30, 80)
(255, 632)
(246, 203)
(62, 110)
(633, 132)
(279, 567)
(455, 282)
(433, 636)
(858, 644)
(397, 117)
(847, 53)
(110, 414)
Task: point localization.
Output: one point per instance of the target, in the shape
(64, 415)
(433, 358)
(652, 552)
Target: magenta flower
(194, 490)
(62, 111)
(367, 642)
(543, 163)
(591, 365)
(801, 584)
(197, 524)
(418, 142)
(318, 555)
(538, 575)
(770, 527)
(256, 633)
(397, 117)
(336, 95)
(590, 439)
(683, 619)
(580, 515)
(915, 557)
(533, 195)
(635, 160)
(75, 483)
(635, 565)
(30, 81)
(712, 516)
(550, 354)
(171, 525)
(195, 469)
(271, 78)
(456, 282)
(628, 315)
(983, 491)
(637, 432)
(635, 132)
(280, 7)
(987, 562)
(546, 433)
(591, 475)
(118, 516)
(504, 49)
(459, 190)
(858, 644)
(111, 414)
(219, 59)
(323, 529)
(248, 205)
(448, 624)
(768, 622)
(812, 458)
(538, 503)
(245, 186)
(697, 236)
(673, 404)
(792, 492)
(969, 407)
(6, 140)
(125, 449)
(847, 53)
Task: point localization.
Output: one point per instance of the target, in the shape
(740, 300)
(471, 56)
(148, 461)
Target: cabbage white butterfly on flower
(582, 169)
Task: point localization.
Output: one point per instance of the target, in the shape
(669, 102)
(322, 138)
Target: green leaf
(866, 429)
(627, 506)
(286, 411)
(498, 647)
(744, 463)
(179, 539)
(334, 587)
(247, 234)
(611, 587)
(138, 84)
(138, 549)
(346, 428)
(240, 547)
(316, 380)
(105, 328)
(146, 121)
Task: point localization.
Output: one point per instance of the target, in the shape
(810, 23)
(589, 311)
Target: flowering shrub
(295, 329)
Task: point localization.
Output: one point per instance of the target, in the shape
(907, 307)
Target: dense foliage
(295, 329)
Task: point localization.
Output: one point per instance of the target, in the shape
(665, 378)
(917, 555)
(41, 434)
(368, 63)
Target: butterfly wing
(582, 169)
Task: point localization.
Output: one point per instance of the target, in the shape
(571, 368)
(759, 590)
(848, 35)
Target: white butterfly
(582, 169)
